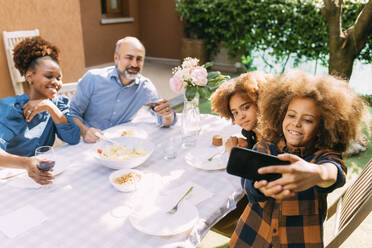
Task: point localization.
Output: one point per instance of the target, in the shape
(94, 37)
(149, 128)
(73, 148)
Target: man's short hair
(127, 39)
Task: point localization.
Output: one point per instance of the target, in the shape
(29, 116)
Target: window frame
(115, 15)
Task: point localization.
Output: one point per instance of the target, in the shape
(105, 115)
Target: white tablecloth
(80, 209)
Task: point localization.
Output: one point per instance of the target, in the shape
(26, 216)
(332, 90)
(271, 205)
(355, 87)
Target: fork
(106, 139)
(214, 155)
(175, 208)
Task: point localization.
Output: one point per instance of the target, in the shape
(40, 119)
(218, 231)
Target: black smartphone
(245, 162)
(152, 105)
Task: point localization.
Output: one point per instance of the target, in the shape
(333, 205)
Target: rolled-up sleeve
(152, 96)
(68, 132)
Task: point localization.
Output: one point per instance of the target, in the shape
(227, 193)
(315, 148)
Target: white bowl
(129, 142)
(125, 187)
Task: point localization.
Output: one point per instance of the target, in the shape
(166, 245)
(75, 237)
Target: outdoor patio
(160, 72)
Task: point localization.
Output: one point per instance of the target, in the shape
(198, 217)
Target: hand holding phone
(152, 105)
(245, 163)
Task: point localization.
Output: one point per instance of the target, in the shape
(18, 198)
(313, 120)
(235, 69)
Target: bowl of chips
(126, 180)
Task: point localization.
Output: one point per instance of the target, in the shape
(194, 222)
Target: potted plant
(195, 16)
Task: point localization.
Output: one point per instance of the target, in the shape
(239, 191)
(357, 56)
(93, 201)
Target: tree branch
(332, 12)
(362, 28)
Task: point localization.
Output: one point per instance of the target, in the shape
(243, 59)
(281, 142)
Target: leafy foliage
(282, 27)
(215, 79)
(368, 99)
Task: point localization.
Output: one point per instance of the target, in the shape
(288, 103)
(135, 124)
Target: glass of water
(170, 148)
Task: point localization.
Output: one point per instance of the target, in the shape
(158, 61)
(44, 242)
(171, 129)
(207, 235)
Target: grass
(356, 163)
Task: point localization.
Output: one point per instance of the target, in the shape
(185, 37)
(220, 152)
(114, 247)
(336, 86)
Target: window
(115, 11)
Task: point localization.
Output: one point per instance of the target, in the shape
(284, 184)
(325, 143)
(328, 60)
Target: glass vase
(190, 122)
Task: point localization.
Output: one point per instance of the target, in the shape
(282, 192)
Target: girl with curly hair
(237, 100)
(31, 120)
(308, 121)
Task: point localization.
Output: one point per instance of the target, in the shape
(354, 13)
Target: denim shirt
(22, 138)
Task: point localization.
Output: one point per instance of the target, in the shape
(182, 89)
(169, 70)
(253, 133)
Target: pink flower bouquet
(195, 78)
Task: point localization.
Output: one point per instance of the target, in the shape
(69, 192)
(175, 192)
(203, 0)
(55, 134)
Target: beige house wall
(58, 22)
(100, 39)
(161, 30)
(156, 24)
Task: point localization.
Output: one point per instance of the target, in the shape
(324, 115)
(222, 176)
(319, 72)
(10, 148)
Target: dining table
(82, 209)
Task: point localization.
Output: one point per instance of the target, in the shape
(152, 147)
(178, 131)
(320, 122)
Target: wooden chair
(10, 39)
(352, 207)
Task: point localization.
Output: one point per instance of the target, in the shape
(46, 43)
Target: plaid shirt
(293, 222)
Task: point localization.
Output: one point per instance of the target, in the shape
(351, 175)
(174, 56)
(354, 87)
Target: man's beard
(126, 74)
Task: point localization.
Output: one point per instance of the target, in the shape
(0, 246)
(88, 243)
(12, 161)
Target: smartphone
(152, 105)
(245, 163)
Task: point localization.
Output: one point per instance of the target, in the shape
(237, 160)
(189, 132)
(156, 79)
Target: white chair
(10, 39)
(68, 89)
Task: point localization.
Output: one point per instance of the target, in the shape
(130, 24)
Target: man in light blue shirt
(113, 95)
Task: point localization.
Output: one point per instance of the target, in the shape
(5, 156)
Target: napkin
(197, 195)
(21, 220)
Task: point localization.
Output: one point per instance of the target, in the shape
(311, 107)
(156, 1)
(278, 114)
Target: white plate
(128, 187)
(129, 142)
(198, 158)
(155, 221)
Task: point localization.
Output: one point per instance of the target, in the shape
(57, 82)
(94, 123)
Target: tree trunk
(345, 46)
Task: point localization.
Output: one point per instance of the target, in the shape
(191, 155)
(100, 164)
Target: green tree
(284, 29)
(345, 46)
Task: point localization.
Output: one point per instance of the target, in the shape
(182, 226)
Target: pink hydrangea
(199, 75)
(176, 82)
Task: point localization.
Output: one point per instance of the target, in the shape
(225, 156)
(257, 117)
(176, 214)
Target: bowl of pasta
(125, 153)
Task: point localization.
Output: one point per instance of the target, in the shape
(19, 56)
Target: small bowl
(130, 142)
(131, 186)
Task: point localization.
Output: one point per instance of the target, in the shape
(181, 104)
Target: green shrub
(368, 99)
(282, 27)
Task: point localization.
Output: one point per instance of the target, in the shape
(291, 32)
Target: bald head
(128, 41)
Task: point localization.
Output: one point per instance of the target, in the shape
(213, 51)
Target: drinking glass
(46, 161)
(170, 148)
(46, 158)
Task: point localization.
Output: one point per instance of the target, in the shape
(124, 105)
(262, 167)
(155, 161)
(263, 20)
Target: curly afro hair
(27, 51)
(341, 109)
(247, 84)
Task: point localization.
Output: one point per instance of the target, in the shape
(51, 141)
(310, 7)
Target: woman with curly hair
(31, 120)
(236, 100)
(308, 121)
